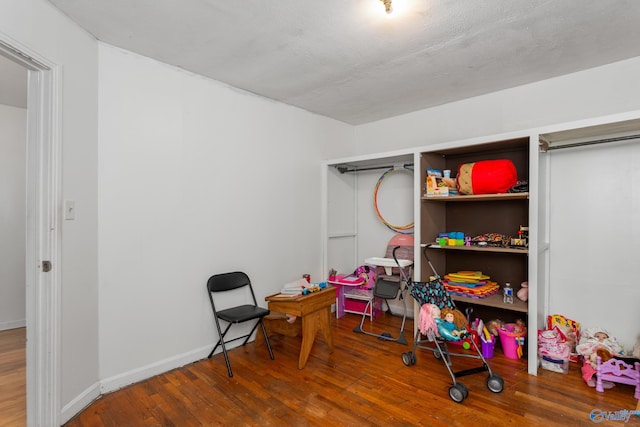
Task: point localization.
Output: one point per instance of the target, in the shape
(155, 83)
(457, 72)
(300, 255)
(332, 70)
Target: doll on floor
(596, 342)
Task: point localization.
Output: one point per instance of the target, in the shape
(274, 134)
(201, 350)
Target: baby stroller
(434, 292)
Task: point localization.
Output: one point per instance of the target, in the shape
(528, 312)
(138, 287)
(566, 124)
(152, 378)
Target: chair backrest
(229, 281)
(404, 251)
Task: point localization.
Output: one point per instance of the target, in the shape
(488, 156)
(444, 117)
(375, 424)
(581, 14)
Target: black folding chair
(237, 314)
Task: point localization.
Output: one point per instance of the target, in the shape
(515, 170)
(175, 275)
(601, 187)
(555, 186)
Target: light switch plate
(69, 209)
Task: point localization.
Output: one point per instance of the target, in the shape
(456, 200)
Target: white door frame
(43, 234)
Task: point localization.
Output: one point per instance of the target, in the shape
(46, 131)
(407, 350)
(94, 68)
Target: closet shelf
(524, 251)
(495, 301)
(477, 197)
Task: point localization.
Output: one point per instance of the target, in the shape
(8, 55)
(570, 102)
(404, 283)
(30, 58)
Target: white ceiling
(348, 60)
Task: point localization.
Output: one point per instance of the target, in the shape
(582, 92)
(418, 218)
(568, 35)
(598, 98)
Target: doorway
(13, 140)
(41, 231)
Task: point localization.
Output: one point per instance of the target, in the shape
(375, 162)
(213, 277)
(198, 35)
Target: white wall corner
(79, 403)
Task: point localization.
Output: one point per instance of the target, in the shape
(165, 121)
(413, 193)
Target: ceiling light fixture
(387, 5)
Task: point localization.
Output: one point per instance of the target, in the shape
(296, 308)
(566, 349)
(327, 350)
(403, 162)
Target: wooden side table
(314, 313)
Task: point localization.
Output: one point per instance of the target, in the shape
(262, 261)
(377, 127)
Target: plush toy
(523, 293)
(519, 326)
(493, 326)
(428, 315)
(591, 341)
(594, 338)
(486, 177)
(452, 324)
(603, 353)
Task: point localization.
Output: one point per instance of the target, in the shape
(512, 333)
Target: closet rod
(596, 141)
(344, 169)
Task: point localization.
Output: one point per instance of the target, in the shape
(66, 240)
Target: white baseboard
(13, 324)
(136, 375)
(79, 403)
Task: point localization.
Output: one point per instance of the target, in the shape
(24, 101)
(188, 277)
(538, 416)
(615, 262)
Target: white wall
(595, 230)
(38, 26)
(597, 92)
(196, 178)
(13, 146)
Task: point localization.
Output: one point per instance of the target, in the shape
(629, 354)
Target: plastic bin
(487, 348)
(556, 365)
(512, 342)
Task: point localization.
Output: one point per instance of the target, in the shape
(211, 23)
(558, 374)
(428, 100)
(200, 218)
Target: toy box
(435, 185)
(358, 306)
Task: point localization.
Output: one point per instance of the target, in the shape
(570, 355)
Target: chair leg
(364, 316)
(246, 340)
(226, 359)
(266, 339)
(221, 336)
(224, 348)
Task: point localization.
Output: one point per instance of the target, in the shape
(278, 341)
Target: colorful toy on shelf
(452, 238)
(471, 284)
(523, 238)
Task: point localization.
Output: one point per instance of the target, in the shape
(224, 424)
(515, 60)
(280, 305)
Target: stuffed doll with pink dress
(427, 320)
(596, 342)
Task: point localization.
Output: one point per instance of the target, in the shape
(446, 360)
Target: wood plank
(13, 380)
(363, 382)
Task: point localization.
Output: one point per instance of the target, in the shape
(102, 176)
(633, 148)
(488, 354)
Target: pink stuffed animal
(523, 293)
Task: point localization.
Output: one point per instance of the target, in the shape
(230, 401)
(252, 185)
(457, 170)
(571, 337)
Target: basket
(512, 342)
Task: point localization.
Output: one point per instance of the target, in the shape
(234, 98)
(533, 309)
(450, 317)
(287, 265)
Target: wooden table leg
(312, 323)
(309, 329)
(325, 326)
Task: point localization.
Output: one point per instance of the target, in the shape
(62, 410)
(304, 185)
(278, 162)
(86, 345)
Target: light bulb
(387, 5)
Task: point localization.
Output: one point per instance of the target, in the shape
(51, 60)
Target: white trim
(80, 402)
(13, 324)
(43, 235)
(133, 376)
(324, 226)
(371, 156)
(533, 311)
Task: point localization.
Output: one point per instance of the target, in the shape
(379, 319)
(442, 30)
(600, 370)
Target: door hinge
(46, 266)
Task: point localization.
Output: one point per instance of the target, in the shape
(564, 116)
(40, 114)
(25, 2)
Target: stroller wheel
(465, 390)
(495, 383)
(437, 354)
(409, 358)
(458, 392)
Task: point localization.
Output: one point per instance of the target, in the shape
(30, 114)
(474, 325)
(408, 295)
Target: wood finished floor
(362, 383)
(13, 388)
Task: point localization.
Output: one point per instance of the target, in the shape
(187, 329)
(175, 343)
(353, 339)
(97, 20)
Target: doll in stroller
(433, 298)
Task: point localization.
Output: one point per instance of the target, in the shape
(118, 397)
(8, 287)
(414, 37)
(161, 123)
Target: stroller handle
(424, 252)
